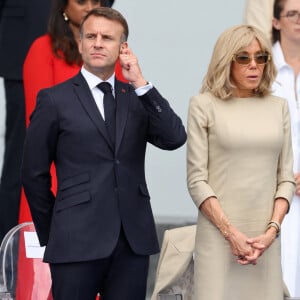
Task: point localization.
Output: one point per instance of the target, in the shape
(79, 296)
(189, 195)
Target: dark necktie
(109, 104)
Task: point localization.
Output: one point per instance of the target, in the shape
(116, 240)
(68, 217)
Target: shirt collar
(93, 80)
(278, 56)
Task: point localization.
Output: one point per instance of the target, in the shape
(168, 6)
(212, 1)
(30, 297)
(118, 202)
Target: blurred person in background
(20, 23)
(259, 13)
(286, 55)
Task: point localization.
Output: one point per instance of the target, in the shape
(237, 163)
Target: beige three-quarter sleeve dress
(238, 150)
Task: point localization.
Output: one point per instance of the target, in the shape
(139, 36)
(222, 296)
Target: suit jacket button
(117, 162)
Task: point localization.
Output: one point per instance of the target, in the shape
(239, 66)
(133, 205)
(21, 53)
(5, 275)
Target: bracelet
(275, 225)
(225, 232)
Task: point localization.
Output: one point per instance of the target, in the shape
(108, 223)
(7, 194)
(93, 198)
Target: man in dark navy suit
(21, 21)
(99, 230)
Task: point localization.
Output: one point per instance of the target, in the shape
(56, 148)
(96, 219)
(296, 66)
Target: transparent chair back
(21, 277)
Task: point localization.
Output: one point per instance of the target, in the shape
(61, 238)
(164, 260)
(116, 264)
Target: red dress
(42, 69)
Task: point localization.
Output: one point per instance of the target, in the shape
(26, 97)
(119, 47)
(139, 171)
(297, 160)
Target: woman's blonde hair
(233, 40)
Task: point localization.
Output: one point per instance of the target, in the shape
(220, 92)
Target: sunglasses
(260, 58)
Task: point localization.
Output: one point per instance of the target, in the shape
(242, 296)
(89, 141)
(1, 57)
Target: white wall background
(173, 40)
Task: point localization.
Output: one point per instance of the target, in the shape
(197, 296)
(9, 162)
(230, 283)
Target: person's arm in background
(259, 13)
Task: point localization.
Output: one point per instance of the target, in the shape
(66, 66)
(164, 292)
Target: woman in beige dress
(239, 171)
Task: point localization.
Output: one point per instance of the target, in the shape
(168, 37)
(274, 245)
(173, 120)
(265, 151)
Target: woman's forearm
(280, 209)
(213, 212)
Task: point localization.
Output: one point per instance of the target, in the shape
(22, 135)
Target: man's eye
(90, 37)
(292, 13)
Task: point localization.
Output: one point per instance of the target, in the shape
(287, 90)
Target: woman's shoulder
(41, 43)
(276, 103)
(203, 104)
(276, 100)
(203, 99)
(40, 52)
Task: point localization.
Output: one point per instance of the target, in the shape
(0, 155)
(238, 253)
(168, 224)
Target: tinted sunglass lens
(243, 59)
(261, 59)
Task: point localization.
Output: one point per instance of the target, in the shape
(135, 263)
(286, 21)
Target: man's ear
(124, 46)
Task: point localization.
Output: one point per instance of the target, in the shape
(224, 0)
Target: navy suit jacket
(99, 188)
(21, 22)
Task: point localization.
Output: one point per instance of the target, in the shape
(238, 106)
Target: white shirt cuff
(144, 89)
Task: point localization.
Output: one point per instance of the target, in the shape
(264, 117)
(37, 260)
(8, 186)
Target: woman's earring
(65, 17)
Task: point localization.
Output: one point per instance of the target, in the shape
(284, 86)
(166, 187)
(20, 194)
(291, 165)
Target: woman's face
(247, 77)
(77, 9)
(289, 22)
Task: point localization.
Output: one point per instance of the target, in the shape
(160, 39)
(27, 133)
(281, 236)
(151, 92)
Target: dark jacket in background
(21, 22)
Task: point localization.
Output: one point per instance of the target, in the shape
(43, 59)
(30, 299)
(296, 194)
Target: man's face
(100, 45)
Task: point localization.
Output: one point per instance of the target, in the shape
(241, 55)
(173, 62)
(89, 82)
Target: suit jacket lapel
(85, 96)
(122, 95)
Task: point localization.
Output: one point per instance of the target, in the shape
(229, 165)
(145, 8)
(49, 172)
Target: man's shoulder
(64, 88)
(76, 80)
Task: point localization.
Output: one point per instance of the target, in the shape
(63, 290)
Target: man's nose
(98, 40)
